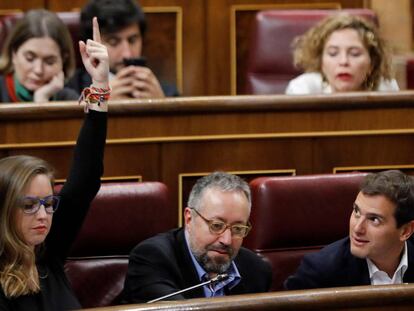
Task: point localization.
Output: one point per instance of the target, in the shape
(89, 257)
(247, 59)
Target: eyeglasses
(218, 227)
(32, 204)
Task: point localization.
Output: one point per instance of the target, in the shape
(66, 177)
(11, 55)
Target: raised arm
(87, 165)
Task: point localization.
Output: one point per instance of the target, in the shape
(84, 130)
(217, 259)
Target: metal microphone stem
(215, 279)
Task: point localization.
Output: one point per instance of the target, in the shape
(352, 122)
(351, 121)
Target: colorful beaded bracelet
(94, 96)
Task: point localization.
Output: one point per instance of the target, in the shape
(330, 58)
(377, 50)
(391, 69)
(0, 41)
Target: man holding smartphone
(123, 26)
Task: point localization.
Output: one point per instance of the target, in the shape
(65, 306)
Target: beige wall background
(395, 22)
(395, 18)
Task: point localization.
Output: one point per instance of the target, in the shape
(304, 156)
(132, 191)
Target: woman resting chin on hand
(37, 57)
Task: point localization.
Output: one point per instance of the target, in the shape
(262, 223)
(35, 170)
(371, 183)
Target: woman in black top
(32, 250)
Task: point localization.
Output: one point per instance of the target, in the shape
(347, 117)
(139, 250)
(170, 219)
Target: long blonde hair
(308, 48)
(18, 271)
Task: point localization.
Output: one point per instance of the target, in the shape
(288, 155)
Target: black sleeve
(151, 274)
(66, 94)
(4, 302)
(256, 273)
(81, 186)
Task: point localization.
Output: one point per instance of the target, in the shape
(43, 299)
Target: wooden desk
(177, 140)
(380, 297)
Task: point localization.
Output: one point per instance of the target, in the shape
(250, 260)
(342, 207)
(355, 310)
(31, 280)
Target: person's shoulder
(254, 269)
(410, 245)
(306, 83)
(3, 90)
(67, 94)
(251, 260)
(332, 266)
(331, 256)
(388, 85)
(164, 242)
(341, 245)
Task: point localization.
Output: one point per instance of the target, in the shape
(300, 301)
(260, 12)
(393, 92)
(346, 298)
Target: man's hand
(135, 82)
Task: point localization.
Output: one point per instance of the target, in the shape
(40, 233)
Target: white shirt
(379, 277)
(312, 83)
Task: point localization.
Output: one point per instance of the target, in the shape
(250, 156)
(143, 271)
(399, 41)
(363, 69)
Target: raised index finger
(96, 32)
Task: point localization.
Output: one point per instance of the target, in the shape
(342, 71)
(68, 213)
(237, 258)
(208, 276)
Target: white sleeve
(307, 83)
(388, 85)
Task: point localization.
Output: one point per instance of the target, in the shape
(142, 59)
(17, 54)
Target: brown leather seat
(295, 215)
(121, 215)
(270, 63)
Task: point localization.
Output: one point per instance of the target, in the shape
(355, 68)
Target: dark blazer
(335, 266)
(162, 265)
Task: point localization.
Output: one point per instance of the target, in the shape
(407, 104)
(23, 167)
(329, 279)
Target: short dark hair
(221, 181)
(113, 16)
(396, 187)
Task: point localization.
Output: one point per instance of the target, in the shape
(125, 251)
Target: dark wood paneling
(362, 298)
(162, 37)
(21, 5)
(194, 51)
(161, 139)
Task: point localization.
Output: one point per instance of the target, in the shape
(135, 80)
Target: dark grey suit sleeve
(151, 274)
(332, 266)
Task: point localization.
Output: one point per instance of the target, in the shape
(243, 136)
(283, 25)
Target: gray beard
(212, 266)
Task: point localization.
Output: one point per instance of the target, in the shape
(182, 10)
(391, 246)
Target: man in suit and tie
(216, 221)
(378, 249)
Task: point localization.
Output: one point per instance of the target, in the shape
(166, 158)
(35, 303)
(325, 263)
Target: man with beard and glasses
(216, 221)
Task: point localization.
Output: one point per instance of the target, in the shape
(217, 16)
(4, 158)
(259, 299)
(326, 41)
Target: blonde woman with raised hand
(38, 227)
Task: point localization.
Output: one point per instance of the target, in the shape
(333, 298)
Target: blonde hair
(308, 48)
(18, 271)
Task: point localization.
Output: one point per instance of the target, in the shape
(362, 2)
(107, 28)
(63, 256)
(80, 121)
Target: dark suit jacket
(162, 265)
(335, 266)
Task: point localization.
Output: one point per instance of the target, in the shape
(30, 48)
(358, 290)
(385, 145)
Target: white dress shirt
(379, 277)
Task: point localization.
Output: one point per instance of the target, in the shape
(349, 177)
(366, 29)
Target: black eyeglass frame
(209, 222)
